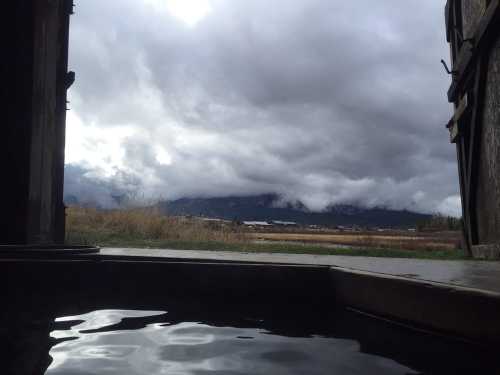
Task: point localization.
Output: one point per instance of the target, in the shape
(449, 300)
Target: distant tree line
(440, 223)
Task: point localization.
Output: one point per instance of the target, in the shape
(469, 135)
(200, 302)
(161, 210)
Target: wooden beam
(474, 147)
(33, 79)
(448, 17)
(461, 178)
(485, 35)
(63, 82)
(454, 124)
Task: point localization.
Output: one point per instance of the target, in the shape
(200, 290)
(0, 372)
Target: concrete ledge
(465, 312)
(237, 281)
(491, 251)
(45, 251)
(450, 309)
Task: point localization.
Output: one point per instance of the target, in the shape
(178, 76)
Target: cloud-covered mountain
(325, 102)
(269, 207)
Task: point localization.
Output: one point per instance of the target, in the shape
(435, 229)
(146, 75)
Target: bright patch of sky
(188, 11)
(95, 146)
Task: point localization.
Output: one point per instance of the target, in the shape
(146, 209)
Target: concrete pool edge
(469, 313)
(481, 275)
(463, 312)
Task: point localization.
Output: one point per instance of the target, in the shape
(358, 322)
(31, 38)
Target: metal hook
(450, 72)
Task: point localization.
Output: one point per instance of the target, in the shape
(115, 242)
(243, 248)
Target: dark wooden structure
(473, 31)
(34, 83)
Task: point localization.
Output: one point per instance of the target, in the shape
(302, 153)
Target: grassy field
(398, 241)
(104, 227)
(147, 228)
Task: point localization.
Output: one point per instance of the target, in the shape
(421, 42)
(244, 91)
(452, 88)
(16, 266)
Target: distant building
(213, 220)
(284, 223)
(257, 224)
(344, 228)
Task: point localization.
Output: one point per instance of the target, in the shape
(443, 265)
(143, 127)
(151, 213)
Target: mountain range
(267, 207)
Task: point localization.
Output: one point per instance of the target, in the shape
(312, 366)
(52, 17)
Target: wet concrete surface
(481, 275)
(460, 299)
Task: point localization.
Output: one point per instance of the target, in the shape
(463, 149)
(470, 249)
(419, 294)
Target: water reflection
(145, 342)
(156, 334)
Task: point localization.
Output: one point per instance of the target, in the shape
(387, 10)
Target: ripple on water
(143, 342)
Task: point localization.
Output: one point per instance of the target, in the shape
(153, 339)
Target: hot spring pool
(196, 338)
(91, 317)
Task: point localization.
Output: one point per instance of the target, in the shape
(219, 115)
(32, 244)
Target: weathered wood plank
(475, 127)
(32, 131)
(486, 33)
(454, 124)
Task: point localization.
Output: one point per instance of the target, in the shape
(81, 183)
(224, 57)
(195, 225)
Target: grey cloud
(323, 101)
(91, 188)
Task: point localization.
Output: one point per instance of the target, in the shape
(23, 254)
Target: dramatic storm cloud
(321, 101)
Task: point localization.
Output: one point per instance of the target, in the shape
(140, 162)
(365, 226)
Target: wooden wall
(474, 36)
(34, 71)
(488, 197)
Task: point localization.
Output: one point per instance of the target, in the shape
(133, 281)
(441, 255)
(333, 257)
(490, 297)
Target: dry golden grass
(91, 225)
(368, 240)
(148, 227)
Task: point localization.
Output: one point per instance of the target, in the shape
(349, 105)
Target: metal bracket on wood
(450, 72)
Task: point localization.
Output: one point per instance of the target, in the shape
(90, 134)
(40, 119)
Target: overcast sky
(321, 101)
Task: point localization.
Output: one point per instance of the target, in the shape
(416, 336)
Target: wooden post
(34, 70)
(473, 31)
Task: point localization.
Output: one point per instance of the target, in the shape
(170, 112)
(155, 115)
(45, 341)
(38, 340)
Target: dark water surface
(84, 335)
(145, 342)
